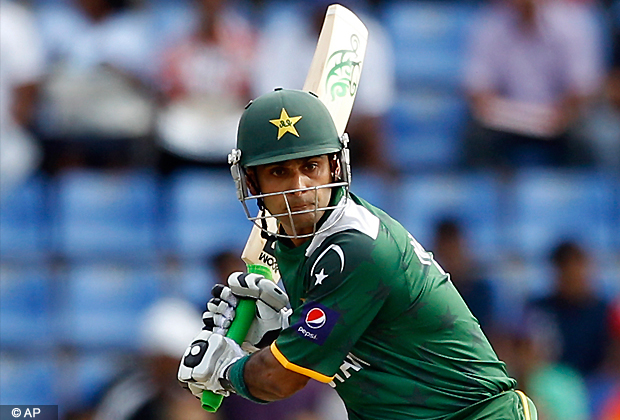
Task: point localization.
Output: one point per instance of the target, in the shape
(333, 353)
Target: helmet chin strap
(264, 231)
(253, 186)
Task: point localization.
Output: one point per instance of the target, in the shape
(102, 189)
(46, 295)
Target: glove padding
(220, 310)
(271, 301)
(271, 312)
(205, 362)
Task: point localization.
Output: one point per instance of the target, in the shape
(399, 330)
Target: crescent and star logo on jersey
(320, 276)
(316, 322)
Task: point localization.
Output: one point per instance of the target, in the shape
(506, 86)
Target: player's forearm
(268, 380)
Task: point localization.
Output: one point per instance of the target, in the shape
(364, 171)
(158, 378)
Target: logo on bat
(344, 74)
(315, 318)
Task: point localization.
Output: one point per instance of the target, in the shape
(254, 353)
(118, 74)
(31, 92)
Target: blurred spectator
(152, 391)
(612, 410)
(22, 68)
(533, 65)
(295, 32)
(97, 106)
(452, 253)
(206, 83)
(559, 390)
(530, 353)
(573, 313)
(605, 384)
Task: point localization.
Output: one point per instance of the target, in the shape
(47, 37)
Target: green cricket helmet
(283, 125)
(279, 126)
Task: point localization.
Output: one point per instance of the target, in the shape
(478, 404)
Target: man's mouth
(302, 207)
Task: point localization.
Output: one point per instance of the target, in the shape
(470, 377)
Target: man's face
(293, 175)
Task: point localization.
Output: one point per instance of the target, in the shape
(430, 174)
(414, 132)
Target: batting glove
(272, 313)
(205, 362)
(220, 310)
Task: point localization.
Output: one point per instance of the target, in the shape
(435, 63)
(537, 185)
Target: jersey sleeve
(345, 291)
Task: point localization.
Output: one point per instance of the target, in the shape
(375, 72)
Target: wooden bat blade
(337, 63)
(259, 250)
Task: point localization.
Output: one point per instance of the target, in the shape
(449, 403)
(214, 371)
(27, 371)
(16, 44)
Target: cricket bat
(333, 76)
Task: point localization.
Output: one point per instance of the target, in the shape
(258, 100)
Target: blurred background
(489, 129)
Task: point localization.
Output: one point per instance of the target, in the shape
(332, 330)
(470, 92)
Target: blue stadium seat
(102, 214)
(550, 206)
(428, 119)
(103, 304)
(616, 212)
(194, 281)
(427, 128)
(28, 378)
(429, 40)
(85, 375)
(517, 281)
(23, 226)
(205, 216)
(372, 188)
(26, 309)
(470, 199)
(608, 275)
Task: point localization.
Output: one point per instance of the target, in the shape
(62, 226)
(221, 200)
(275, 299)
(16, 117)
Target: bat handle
(244, 315)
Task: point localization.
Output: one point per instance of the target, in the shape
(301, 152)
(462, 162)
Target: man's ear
(251, 181)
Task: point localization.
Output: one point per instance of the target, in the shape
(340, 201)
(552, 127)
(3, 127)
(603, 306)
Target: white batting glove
(271, 312)
(205, 362)
(220, 310)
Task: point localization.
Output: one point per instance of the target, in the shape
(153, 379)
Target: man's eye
(311, 166)
(277, 172)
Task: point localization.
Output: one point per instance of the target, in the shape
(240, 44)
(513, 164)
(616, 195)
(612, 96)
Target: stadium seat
(194, 281)
(470, 199)
(616, 211)
(204, 214)
(26, 310)
(427, 128)
(101, 214)
(28, 378)
(103, 303)
(85, 374)
(608, 275)
(23, 226)
(516, 281)
(428, 119)
(372, 188)
(550, 206)
(429, 39)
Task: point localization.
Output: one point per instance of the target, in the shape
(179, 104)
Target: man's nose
(299, 181)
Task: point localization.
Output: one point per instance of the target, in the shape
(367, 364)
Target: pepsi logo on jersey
(316, 322)
(315, 318)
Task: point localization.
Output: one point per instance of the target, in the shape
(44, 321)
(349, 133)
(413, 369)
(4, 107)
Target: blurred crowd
(118, 85)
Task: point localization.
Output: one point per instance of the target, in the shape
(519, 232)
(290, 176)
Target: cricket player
(373, 314)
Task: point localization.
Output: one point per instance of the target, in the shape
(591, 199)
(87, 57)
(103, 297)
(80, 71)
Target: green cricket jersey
(378, 318)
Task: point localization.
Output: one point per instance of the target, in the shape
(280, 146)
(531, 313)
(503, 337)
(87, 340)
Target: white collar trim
(352, 216)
